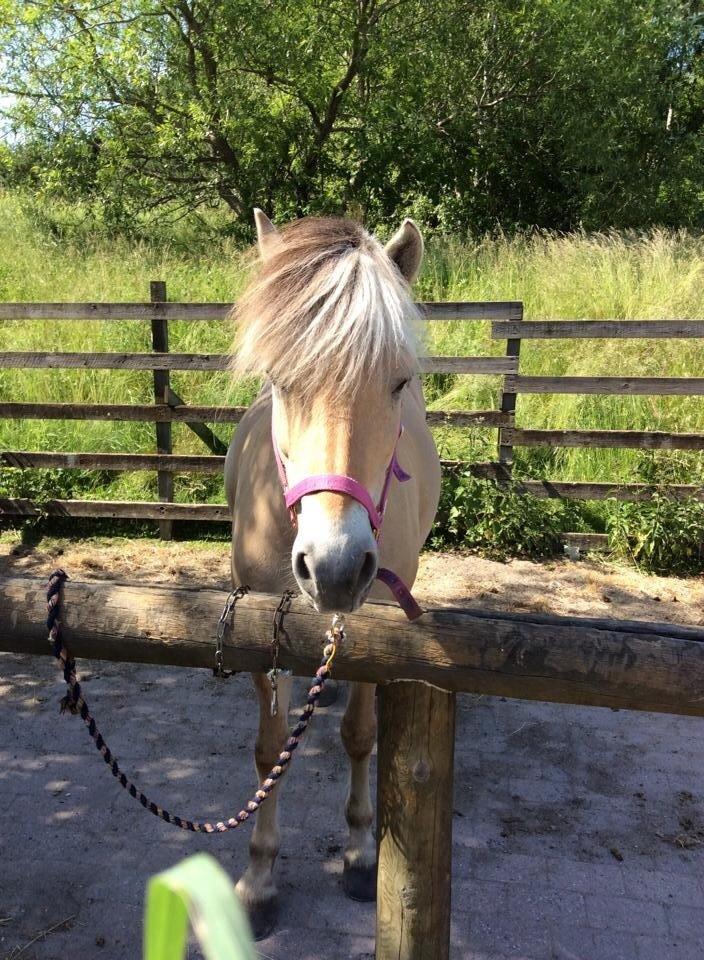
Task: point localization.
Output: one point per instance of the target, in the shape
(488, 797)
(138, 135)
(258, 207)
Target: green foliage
(462, 113)
(199, 890)
(477, 515)
(661, 535)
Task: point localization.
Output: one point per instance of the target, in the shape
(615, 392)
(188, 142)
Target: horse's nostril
(368, 568)
(300, 567)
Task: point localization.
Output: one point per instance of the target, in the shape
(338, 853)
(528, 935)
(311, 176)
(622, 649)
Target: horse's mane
(326, 311)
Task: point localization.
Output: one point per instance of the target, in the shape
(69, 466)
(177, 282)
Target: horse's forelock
(325, 312)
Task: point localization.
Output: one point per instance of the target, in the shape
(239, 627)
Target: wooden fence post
(508, 400)
(160, 344)
(414, 826)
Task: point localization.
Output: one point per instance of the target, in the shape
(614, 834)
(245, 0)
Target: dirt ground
(589, 587)
(578, 832)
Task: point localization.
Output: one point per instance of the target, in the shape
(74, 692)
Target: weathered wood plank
(121, 412)
(497, 472)
(177, 463)
(451, 310)
(597, 329)
(587, 541)
(563, 661)
(575, 490)
(630, 386)
(197, 414)
(414, 816)
(466, 418)
(472, 310)
(638, 439)
(114, 311)
(114, 509)
(475, 365)
(114, 361)
(173, 463)
(32, 360)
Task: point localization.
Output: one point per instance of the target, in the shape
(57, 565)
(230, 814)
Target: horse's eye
(396, 392)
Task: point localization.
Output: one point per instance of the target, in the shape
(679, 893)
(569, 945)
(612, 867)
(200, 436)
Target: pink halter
(337, 483)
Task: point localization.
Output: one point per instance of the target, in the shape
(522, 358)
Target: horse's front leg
(358, 735)
(257, 889)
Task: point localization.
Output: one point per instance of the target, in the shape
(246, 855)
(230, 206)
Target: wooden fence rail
(451, 310)
(598, 662)
(188, 413)
(209, 361)
(598, 329)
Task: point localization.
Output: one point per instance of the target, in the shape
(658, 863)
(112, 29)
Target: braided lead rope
(74, 702)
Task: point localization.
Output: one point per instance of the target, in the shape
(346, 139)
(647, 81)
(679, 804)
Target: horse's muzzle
(336, 579)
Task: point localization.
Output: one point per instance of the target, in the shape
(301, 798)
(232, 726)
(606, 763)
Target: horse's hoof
(263, 917)
(329, 693)
(359, 883)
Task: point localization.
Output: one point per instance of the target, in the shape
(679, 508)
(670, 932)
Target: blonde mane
(326, 311)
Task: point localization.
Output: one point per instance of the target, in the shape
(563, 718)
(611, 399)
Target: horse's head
(329, 319)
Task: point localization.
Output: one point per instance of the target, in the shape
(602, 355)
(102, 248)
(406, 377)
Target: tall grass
(650, 276)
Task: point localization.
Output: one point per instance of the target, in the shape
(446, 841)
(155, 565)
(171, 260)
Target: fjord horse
(329, 322)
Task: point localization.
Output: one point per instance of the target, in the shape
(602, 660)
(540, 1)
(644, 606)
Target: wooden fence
(169, 407)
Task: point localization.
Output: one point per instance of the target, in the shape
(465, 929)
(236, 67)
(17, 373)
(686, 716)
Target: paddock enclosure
(420, 668)
(507, 325)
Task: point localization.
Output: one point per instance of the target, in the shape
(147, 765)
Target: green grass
(655, 275)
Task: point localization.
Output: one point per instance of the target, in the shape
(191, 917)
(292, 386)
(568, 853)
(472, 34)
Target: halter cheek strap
(338, 483)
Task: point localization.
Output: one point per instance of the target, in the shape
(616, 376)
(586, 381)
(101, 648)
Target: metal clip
(279, 633)
(274, 675)
(227, 611)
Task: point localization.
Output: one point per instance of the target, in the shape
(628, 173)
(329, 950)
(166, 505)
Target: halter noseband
(338, 483)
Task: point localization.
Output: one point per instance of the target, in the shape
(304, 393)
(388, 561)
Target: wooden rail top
(627, 664)
(34, 360)
(449, 310)
(597, 329)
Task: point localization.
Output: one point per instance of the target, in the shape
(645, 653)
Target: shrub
(661, 535)
(498, 522)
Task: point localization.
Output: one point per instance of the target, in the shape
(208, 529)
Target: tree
(520, 112)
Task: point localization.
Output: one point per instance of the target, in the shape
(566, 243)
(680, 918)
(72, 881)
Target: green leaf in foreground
(200, 890)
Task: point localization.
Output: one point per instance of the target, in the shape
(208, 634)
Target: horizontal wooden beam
(639, 439)
(494, 471)
(32, 360)
(169, 463)
(473, 365)
(451, 310)
(630, 386)
(587, 541)
(472, 310)
(597, 329)
(639, 666)
(576, 490)
(197, 414)
(466, 418)
(152, 413)
(114, 361)
(176, 463)
(113, 509)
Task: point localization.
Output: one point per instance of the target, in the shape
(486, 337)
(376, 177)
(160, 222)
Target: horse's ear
(267, 235)
(405, 248)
